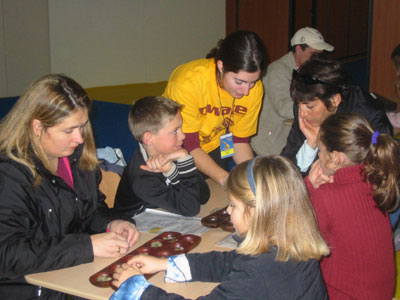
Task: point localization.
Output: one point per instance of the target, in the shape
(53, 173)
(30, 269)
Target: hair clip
(374, 138)
(309, 79)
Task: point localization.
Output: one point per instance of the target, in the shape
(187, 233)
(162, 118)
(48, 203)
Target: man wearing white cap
(277, 110)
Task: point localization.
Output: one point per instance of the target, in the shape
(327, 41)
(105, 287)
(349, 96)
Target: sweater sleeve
(180, 192)
(208, 267)
(238, 281)
(218, 266)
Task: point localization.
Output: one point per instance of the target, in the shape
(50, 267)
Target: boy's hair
(283, 216)
(150, 114)
(351, 134)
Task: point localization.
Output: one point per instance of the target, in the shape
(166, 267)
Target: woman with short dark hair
(319, 89)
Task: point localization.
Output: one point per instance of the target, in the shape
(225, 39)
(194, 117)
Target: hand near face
(317, 175)
(124, 272)
(126, 229)
(148, 264)
(310, 132)
(163, 162)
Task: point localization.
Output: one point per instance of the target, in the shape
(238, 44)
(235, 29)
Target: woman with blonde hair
(52, 214)
(278, 258)
(353, 186)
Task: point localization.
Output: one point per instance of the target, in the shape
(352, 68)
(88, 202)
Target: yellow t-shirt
(207, 108)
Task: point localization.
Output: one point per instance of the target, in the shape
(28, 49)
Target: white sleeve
(305, 156)
(178, 269)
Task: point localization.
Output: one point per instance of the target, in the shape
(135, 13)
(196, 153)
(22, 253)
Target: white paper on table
(156, 221)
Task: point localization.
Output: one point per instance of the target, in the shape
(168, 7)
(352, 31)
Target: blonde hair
(283, 215)
(50, 100)
(351, 134)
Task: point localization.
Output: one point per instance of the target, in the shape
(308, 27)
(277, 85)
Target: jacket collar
(73, 158)
(143, 152)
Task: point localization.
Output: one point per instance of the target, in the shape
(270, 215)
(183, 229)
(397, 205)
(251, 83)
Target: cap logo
(302, 39)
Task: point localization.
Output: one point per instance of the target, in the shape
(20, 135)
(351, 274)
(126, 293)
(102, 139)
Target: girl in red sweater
(352, 187)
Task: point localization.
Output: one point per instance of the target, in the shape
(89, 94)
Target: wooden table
(75, 280)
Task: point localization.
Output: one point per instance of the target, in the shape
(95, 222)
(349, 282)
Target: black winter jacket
(181, 192)
(46, 227)
(356, 101)
(251, 277)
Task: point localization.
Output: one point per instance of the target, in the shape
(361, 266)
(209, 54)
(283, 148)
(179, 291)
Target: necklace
(228, 121)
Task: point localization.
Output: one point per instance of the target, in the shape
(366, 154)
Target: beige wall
(24, 44)
(103, 42)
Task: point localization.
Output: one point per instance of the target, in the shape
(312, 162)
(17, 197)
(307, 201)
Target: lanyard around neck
(227, 122)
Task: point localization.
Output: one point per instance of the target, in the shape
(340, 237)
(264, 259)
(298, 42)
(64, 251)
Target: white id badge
(226, 145)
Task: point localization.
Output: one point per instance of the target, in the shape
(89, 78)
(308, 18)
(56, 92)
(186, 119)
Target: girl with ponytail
(353, 186)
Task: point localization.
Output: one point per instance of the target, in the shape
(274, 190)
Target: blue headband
(374, 139)
(250, 174)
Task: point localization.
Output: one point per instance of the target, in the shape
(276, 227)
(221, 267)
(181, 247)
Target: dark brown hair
(351, 134)
(240, 51)
(331, 79)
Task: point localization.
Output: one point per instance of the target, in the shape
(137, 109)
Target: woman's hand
(122, 273)
(126, 229)
(109, 244)
(310, 132)
(317, 175)
(148, 264)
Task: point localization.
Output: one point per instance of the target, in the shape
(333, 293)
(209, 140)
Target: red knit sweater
(361, 264)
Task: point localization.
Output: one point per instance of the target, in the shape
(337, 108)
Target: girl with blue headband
(353, 186)
(278, 257)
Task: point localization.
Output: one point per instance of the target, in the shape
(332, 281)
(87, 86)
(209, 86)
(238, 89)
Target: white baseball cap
(312, 37)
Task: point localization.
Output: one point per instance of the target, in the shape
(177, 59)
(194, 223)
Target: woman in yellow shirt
(222, 96)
